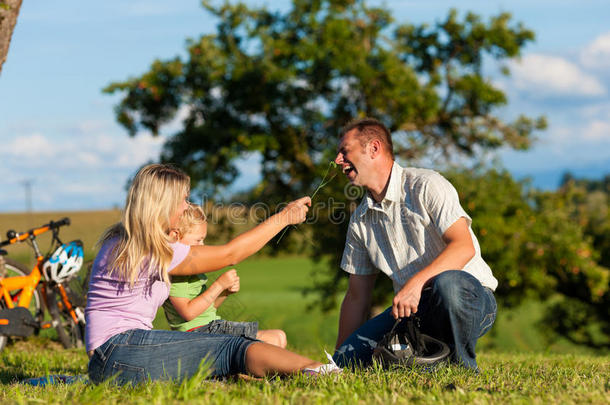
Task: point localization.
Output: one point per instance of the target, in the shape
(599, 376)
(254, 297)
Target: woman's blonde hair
(193, 216)
(155, 194)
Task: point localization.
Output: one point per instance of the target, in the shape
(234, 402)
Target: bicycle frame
(27, 284)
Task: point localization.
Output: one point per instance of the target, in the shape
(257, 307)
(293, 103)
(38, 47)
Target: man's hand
(407, 299)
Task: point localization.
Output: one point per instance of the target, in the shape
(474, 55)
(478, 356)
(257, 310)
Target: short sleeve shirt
(114, 306)
(188, 287)
(403, 233)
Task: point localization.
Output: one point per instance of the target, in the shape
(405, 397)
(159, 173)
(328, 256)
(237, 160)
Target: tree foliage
(544, 245)
(282, 85)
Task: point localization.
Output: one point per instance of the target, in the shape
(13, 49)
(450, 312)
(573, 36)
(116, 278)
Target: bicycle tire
(70, 333)
(16, 269)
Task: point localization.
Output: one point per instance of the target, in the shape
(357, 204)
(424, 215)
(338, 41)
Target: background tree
(547, 246)
(282, 84)
(9, 10)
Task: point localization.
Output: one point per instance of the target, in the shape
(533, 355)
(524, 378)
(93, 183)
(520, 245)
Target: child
(192, 307)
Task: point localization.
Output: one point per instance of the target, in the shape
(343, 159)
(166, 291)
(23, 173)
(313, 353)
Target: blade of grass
(323, 183)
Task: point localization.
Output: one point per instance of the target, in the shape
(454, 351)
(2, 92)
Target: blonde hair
(193, 216)
(155, 194)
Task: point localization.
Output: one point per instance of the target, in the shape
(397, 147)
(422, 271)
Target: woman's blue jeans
(454, 307)
(138, 355)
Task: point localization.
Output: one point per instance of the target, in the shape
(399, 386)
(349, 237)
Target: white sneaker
(325, 369)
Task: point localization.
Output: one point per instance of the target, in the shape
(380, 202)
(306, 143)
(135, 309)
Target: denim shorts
(222, 327)
(139, 355)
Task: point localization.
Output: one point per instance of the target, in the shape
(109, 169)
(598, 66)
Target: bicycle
(23, 292)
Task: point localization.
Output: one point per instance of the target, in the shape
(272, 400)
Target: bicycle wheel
(16, 269)
(70, 333)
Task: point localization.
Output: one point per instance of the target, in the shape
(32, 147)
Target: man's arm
(356, 305)
(457, 253)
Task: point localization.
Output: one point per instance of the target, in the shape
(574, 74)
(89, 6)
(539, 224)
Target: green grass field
(518, 366)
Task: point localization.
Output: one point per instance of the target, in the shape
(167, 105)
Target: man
(411, 226)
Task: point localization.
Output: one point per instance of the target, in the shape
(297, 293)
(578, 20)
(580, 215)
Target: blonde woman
(130, 281)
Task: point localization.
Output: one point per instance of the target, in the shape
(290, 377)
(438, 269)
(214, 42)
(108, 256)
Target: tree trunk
(9, 10)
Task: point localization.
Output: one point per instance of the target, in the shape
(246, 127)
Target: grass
(518, 366)
(506, 378)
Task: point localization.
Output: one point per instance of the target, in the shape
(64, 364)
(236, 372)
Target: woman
(130, 280)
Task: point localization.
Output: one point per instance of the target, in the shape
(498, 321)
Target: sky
(58, 131)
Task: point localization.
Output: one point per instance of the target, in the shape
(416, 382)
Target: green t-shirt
(188, 287)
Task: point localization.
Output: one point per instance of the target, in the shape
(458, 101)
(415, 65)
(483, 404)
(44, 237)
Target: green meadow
(518, 364)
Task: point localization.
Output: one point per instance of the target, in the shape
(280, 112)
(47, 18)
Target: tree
(282, 84)
(544, 245)
(9, 10)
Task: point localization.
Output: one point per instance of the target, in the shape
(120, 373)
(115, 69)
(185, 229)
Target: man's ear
(375, 148)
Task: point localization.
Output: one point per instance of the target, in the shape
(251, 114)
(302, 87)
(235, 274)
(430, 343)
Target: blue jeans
(222, 327)
(454, 308)
(137, 355)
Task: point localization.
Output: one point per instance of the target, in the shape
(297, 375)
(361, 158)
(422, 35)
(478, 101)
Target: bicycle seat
(3, 252)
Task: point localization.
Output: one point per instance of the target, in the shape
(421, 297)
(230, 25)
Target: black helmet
(405, 345)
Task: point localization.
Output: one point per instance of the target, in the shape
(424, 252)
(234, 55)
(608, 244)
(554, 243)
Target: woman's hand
(296, 212)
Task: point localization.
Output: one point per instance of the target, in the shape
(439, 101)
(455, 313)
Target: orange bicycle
(24, 294)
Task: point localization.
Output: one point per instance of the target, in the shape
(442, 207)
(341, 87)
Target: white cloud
(88, 159)
(83, 151)
(596, 55)
(596, 111)
(136, 151)
(597, 131)
(90, 126)
(31, 146)
(83, 166)
(545, 75)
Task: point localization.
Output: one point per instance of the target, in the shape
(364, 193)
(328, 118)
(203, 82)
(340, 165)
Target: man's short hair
(369, 129)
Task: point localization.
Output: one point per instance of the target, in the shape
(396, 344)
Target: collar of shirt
(392, 193)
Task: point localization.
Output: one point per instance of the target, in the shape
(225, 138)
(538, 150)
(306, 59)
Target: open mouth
(347, 169)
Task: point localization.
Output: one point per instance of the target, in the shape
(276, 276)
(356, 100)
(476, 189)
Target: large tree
(282, 84)
(9, 10)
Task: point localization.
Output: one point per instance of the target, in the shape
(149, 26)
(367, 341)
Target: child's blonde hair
(193, 216)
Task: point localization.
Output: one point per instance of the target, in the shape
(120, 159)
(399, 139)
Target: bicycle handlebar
(14, 237)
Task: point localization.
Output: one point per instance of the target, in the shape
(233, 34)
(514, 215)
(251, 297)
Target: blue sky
(57, 129)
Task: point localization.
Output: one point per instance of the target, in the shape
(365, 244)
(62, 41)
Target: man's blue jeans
(454, 307)
(137, 355)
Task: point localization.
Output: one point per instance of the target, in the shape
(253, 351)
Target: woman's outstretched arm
(206, 258)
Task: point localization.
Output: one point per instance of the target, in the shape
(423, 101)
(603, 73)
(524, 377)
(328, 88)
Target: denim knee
(453, 286)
